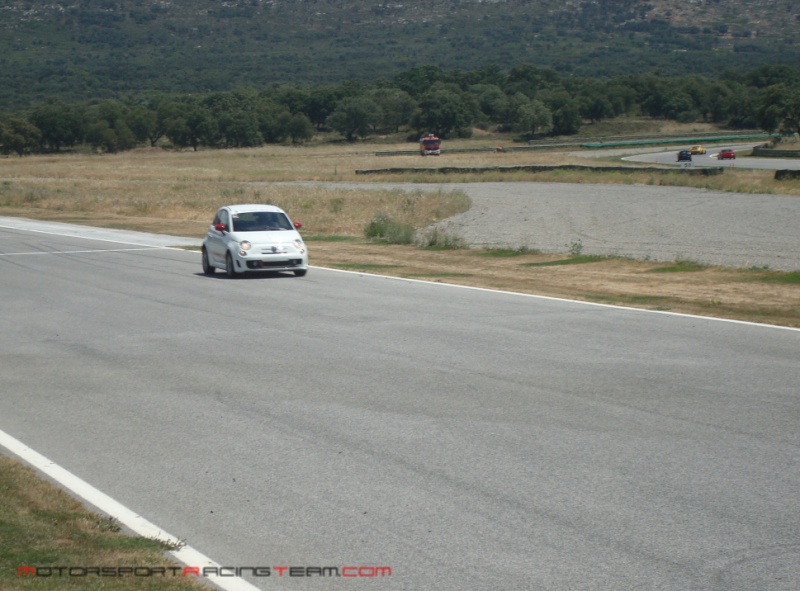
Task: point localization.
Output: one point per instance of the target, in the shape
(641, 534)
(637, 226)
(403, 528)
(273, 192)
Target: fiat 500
(253, 238)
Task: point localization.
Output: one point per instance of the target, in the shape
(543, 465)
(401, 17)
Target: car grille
(273, 264)
(277, 249)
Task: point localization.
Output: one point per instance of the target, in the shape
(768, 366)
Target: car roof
(247, 207)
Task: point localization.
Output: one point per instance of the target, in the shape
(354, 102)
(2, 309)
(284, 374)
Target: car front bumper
(270, 258)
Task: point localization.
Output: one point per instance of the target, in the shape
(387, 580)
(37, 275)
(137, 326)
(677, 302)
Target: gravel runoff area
(636, 221)
(640, 222)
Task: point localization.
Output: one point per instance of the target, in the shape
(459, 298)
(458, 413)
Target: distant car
(697, 150)
(726, 154)
(684, 156)
(253, 238)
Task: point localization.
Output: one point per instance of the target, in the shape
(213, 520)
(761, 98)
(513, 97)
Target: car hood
(270, 237)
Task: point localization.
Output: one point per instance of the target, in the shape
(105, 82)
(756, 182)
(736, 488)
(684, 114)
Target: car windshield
(260, 221)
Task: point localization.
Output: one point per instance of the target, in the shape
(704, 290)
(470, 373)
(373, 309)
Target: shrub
(438, 238)
(382, 227)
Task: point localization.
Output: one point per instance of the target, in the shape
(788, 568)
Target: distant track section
(607, 142)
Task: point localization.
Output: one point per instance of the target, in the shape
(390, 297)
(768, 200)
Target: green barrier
(678, 140)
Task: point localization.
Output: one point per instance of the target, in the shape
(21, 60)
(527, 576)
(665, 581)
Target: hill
(79, 49)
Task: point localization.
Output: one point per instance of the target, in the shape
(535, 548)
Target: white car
(253, 238)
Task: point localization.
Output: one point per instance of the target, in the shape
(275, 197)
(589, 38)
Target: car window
(260, 221)
(223, 217)
(244, 222)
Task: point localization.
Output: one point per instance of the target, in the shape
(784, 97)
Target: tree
(300, 128)
(445, 112)
(535, 117)
(770, 107)
(194, 126)
(530, 80)
(143, 122)
(595, 106)
(567, 119)
(19, 136)
(396, 106)
(108, 129)
(239, 129)
(355, 117)
(60, 125)
(492, 101)
(791, 112)
(778, 109)
(418, 81)
(321, 103)
(110, 137)
(566, 112)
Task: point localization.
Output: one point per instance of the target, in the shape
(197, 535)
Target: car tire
(208, 268)
(230, 272)
(300, 272)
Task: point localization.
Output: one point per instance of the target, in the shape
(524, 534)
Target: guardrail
(677, 140)
(707, 171)
(773, 153)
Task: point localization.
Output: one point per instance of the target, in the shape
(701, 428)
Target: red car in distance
(726, 154)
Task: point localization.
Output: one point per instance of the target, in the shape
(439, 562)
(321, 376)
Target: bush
(382, 227)
(438, 238)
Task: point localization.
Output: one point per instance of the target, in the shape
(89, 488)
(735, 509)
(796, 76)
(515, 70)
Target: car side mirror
(298, 225)
(220, 227)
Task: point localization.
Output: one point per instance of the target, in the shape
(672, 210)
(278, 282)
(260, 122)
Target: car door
(217, 244)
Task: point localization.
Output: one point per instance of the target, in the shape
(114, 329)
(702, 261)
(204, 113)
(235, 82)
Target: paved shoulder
(93, 233)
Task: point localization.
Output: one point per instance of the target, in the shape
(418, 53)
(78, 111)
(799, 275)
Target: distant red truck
(429, 145)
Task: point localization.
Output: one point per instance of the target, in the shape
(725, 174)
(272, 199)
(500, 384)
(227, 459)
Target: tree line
(527, 100)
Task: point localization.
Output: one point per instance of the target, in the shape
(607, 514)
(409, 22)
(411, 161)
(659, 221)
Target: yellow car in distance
(697, 150)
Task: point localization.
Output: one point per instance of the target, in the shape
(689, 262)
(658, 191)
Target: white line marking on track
(12, 254)
(566, 300)
(529, 295)
(138, 524)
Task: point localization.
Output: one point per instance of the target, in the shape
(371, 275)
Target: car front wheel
(208, 268)
(230, 272)
(300, 272)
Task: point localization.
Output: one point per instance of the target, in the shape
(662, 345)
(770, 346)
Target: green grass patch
(579, 260)
(654, 302)
(507, 252)
(331, 238)
(679, 267)
(434, 275)
(43, 526)
(790, 277)
(363, 266)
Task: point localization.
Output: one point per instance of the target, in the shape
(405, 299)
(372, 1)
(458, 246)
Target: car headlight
(298, 244)
(244, 246)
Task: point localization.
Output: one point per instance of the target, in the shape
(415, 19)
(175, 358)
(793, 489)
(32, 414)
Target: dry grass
(177, 192)
(753, 295)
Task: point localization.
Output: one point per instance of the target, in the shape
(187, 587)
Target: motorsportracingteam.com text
(206, 571)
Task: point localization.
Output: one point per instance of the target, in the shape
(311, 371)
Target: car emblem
(274, 249)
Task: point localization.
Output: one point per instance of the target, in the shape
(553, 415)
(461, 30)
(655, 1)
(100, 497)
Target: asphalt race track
(467, 439)
(710, 159)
